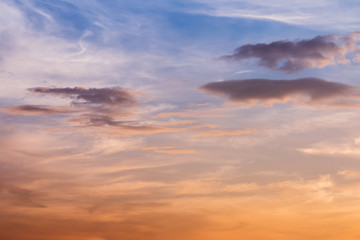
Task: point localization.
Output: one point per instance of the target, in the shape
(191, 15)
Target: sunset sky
(179, 120)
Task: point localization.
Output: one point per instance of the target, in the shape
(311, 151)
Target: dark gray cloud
(105, 96)
(304, 90)
(294, 56)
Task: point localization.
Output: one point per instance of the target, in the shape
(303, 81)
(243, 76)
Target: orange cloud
(350, 149)
(193, 113)
(349, 174)
(169, 150)
(225, 132)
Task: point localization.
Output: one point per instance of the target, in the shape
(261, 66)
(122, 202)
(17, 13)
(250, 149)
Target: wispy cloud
(111, 111)
(350, 149)
(299, 91)
(38, 110)
(106, 96)
(225, 132)
(349, 174)
(320, 14)
(169, 150)
(20, 196)
(291, 57)
(91, 106)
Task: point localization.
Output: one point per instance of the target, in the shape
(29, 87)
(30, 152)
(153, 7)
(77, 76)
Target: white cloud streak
(314, 14)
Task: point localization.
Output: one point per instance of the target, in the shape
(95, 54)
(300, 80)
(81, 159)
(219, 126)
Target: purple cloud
(304, 90)
(90, 107)
(37, 109)
(105, 96)
(294, 56)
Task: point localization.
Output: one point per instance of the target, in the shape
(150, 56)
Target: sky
(169, 119)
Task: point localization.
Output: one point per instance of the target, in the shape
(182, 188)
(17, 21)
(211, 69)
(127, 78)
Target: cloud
(299, 91)
(150, 225)
(349, 174)
(290, 57)
(110, 111)
(36, 109)
(169, 150)
(106, 96)
(312, 14)
(95, 119)
(20, 196)
(350, 149)
(320, 189)
(91, 107)
(105, 123)
(225, 132)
